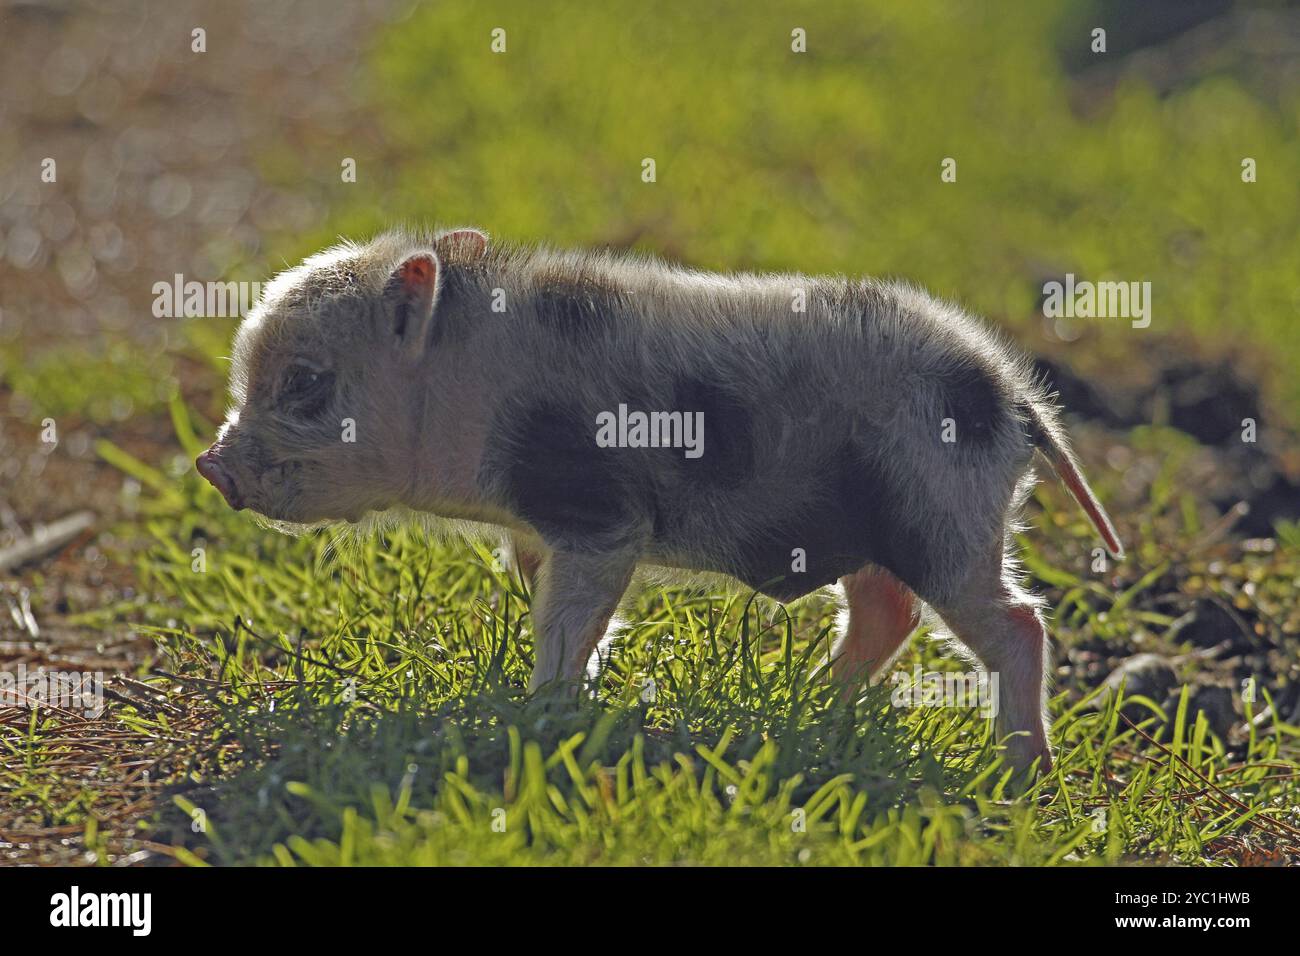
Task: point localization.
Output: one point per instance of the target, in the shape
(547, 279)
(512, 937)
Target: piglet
(612, 411)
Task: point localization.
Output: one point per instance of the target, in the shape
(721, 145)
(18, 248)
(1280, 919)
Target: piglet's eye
(305, 389)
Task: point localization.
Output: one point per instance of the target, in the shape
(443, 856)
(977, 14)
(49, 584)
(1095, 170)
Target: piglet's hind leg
(880, 614)
(1004, 627)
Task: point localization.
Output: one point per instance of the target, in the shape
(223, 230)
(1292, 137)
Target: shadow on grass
(306, 765)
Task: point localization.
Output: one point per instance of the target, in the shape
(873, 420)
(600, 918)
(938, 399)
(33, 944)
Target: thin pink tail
(1053, 447)
(1078, 487)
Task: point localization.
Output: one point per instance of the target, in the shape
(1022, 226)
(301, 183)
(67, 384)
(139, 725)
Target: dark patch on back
(859, 302)
(545, 460)
(971, 398)
(577, 307)
(728, 456)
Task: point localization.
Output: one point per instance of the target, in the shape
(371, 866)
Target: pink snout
(210, 467)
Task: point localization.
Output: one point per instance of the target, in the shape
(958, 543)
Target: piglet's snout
(210, 467)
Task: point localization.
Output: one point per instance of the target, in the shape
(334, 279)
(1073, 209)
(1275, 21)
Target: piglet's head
(325, 383)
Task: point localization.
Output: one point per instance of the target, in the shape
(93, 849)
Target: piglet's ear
(411, 294)
(462, 244)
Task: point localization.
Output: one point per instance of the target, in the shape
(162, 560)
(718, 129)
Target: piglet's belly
(784, 557)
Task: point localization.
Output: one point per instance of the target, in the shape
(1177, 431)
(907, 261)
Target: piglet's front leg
(575, 596)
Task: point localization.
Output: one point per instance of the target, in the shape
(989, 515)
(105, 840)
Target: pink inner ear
(418, 273)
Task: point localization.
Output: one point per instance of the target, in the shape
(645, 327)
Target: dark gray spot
(860, 302)
(547, 466)
(577, 308)
(971, 397)
(728, 458)
(849, 517)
